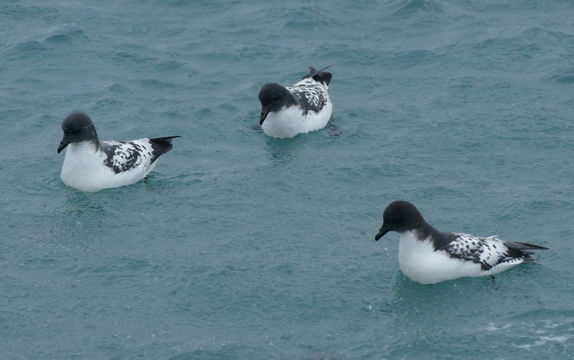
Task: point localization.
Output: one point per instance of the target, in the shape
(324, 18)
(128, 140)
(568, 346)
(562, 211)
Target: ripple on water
(68, 37)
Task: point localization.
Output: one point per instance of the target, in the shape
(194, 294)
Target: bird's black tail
(161, 145)
(321, 76)
(521, 249)
(523, 246)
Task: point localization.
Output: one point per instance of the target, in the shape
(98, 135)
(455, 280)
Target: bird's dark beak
(63, 144)
(264, 113)
(384, 229)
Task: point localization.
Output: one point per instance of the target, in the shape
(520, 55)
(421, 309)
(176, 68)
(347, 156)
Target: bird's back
(310, 95)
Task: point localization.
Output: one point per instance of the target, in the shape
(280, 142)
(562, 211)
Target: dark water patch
(416, 58)
(31, 81)
(547, 37)
(107, 104)
(353, 56)
(524, 49)
(228, 107)
(523, 5)
(74, 36)
(204, 7)
(221, 352)
(419, 8)
(132, 58)
(156, 84)
(565, 78)
(29, 50)
(16, 11)
(170, 33)
(313, 23)
(120, 89)
(167, 66)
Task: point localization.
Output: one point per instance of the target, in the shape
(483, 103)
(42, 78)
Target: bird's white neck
(84, 146)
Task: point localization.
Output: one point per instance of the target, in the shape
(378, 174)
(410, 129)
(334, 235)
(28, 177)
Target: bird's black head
(400, 216)
(273, 97)
(77, 127)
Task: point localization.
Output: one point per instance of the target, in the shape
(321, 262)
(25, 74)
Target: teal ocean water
(247, 247)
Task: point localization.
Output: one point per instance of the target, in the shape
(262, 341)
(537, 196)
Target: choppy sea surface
(245, 247)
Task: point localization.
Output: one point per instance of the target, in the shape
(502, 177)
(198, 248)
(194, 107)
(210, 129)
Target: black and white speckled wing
(310, 94)
(486, 251)
(125, 156)
(140, 154)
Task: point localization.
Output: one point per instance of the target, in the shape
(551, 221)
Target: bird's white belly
(84, 169)
(291, 121)
(420, 263)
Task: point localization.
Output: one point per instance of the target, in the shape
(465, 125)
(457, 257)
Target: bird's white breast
(291, 121)
(82, 168)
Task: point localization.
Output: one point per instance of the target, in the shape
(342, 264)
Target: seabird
(428, 256)
(92, 165)
(298, 109)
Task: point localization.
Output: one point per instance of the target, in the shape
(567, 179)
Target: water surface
(246, 247)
